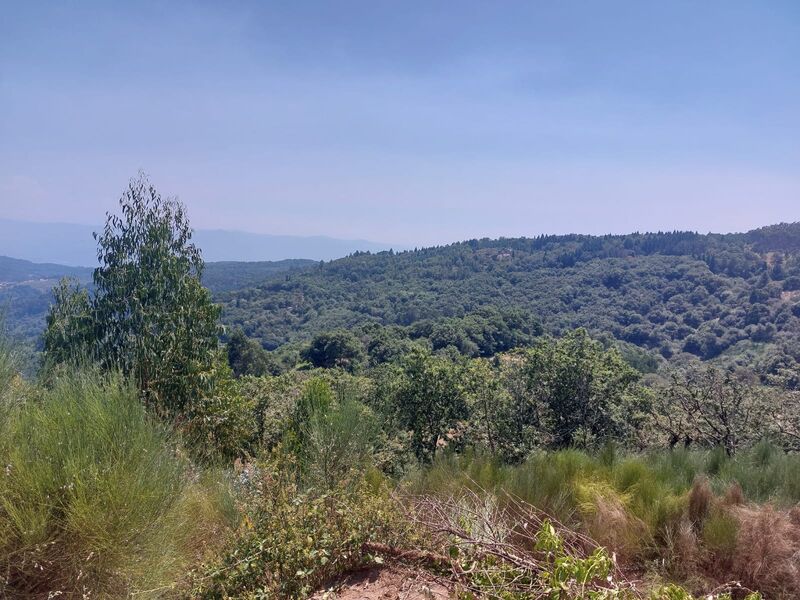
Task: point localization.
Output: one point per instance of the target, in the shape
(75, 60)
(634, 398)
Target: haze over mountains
(73, 244)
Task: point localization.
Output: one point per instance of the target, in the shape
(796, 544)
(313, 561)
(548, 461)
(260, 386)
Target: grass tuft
(94, 499)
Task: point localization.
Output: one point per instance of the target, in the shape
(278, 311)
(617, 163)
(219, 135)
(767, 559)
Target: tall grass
(692, 513)
(550, 480)
(94, 498)
(10, 388)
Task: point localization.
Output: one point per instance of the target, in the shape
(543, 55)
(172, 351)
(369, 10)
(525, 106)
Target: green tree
(149, 316)
(247, 357)
(70, 323)
(338, 348)
(488, 404)
(428, 400)
(589, 393)
(526, 414)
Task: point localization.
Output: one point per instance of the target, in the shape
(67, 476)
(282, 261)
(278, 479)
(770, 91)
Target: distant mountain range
(17, 271)
(71, 244)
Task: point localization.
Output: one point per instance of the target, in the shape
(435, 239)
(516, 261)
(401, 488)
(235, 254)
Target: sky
(415, 123)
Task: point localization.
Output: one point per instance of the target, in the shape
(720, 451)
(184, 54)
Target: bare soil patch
(386, 583)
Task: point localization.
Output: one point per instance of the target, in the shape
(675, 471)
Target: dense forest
(486, 444)
(735, 298)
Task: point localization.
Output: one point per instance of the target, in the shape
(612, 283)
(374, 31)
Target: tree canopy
(148, 316)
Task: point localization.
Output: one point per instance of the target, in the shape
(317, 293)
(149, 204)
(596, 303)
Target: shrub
(275, 400)
(93, 499)
(700, 502)
(292, 541)
(766, 552)
(720, 531)
(221, 424)
(338, 443)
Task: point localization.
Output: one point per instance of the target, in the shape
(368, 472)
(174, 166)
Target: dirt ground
(385, 583)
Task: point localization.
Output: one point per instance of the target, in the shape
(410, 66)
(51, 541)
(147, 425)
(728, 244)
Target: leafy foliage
(294, 540)
(587, 393)
(149, 316)
(247, 357)
(220, 424)
(676, 294)
(334, 349)
(425, 398)
(156, 321)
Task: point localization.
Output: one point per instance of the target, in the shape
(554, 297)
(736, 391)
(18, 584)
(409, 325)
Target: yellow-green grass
(95, 498)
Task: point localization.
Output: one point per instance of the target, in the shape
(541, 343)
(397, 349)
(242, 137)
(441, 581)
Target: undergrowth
(650, 482)
(292, 539)
(685, 516)
(95, 500)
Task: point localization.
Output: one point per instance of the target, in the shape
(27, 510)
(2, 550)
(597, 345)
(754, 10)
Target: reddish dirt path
(386, 583)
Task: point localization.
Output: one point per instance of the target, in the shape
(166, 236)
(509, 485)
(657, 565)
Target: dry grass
(701, 499)
(699, 518)
(506, 548)
(767, 553)
(608, 521)
(734, 496)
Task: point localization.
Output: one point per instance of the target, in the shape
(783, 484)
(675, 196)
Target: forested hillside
(732, 298)
(26, 287)
(25, 293)
(671, 293)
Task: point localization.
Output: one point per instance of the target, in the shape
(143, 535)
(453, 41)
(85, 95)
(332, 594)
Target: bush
(339, 443)
(221, 424)
(720, 531)
(93, 499)
(293, 541)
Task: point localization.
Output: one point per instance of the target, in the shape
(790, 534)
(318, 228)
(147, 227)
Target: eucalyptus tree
(149, 315)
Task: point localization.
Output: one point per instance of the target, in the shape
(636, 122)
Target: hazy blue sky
(406, 122)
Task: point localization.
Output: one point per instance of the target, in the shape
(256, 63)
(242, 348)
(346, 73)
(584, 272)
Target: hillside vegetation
(669, 293)
(26, 287)
(499, 460)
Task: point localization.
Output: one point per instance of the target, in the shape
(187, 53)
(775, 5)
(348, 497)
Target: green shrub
(93, 499)
(275, 399)
(338, 443)
(221, 424)
(332, 436)
(292, 540)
